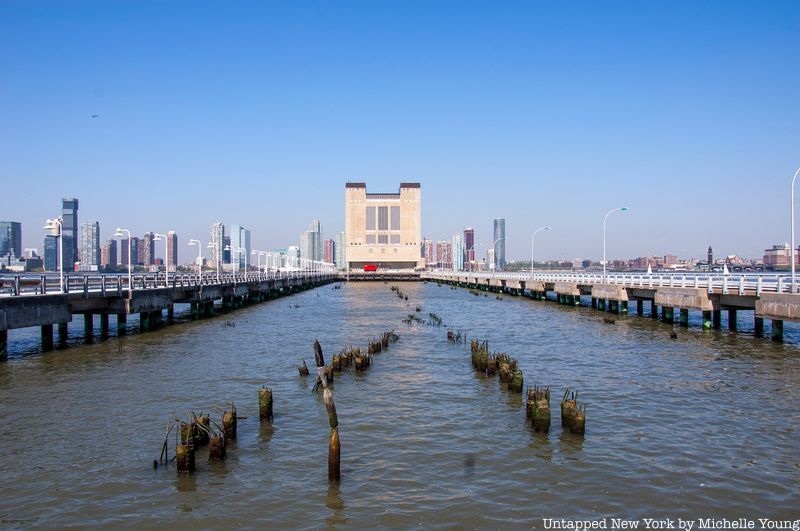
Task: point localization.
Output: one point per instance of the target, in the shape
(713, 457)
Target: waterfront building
(122, 254)
(10, 238)
(217, 243)
(226, 250)
(311, 246)
(458, 253)
(330, 251)
(444, 254)
(90, 246)
(148, 252)
(240, 247)
(340, 251)
(428, 253)
(779, 257)
(172, 251)
(136, 258)
(469, 244)
(108, 255)
(69, 232)
(383, 229)
(51, 252)
(500, 243)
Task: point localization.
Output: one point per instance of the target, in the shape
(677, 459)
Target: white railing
(20, 285)
(738, 283)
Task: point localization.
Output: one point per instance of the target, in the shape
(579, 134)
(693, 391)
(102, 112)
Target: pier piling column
(623, 307)
(759, 326)
(594, 303)
(3, 345)
(47, 337)
(670, 315)
(614, 306)
(156, 317)
(664, 313)
(193, 310)
(777, 330)
(716, 319)
(640, 308)
(104, 325)
(122, 324)
(170, 312)
(144, 321)
(732, 320)
(62, 333)
(88, 327)
(706, 320)
(653, 309)
(684, 317)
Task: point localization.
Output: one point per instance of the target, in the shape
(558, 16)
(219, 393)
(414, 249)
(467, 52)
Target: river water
(705, 425)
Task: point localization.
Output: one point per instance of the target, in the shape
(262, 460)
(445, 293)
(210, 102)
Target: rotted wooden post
(334, 446)
(265, 404)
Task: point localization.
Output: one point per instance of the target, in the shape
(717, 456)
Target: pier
(768, 295)
(29, 301)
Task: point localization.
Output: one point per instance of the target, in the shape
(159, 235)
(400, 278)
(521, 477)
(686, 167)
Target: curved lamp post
(533, 237)
(51, 225)
(620, 209)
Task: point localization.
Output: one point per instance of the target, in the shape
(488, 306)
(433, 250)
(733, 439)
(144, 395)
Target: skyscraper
(148, 252)
(311, 245)
(122, 246)
(69, 231)
(444, 254)
(11, 238)
(90, 246)
(51, 252)
(500, 243)
(108, 255)
(428, 252)
(469, 244)
(217, 243)
(172, 251)
(458, 253)
(240, 247)
(341, 259)
(316, 227)
(330, 251)
(136, 249)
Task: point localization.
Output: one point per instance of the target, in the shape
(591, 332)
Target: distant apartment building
(172, 251)
(148, 246)
(428, 252)
(340, 251)
(217, 244)
(458, 253)
(499, 245)
(330, 251)
(779, 257)
(311, 246)
(226, 250)
(136, 258)
(69, 231)
(90, 246)
(122, 252)
(11, 238)
(108, 255)
(444, 254)
(383, 229)
(469, 244)
(51, 252)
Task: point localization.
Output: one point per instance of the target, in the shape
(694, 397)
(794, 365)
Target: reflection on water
(702, 424)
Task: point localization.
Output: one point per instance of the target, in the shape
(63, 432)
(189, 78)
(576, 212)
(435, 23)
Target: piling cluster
(197, 431)
(399, 292)
(537, 408)
(573, 415)
(432, 320)
(497, 363)
(456, 337)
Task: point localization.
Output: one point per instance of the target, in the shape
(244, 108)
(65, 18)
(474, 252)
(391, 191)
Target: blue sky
(545, 113)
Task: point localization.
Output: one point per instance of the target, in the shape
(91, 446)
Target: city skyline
(512, 113)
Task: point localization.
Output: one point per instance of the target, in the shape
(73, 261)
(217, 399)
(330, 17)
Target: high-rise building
(383, 229)
(172, 251)
(458, 253)
(340, 251)
(137, 258)
(108, 255)
(148, 246)
(293, 256)
(90, 246)
(11, 238)
(710, 258)
(217, 243)
(500, 244)
(240, 247)
(226, 250)
(444, 254)
(469, 244)
(122, 247)
(428, 252)
(69, 231)
(51, 252)
(311, 244)
(330, 251)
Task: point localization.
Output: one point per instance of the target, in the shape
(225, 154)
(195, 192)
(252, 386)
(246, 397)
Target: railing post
(683, 281)
(780, 284)
(16, 285)
(741, 285)
(44, 285)
(725, 285)
(696, 281)
(710, 284)
(758, 286)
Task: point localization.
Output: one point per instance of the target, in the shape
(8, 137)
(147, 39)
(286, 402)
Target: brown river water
(705, 425)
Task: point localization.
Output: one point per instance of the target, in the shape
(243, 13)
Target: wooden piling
(265, 404)
(229, 423)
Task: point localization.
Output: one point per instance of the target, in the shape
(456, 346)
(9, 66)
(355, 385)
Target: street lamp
(794, 290)
(215, 253)
(192, 243)
(533, 236)
(620, 209)
(51, 225)
(118, 234)
(159, 237)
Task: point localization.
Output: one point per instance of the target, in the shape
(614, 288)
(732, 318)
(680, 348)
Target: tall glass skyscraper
(500, 244)
(51, 253)
(90, 246)
(240, 239)
(458, 253)
(10, 238)
(69, 228)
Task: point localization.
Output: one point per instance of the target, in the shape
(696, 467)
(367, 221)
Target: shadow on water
(334, 502)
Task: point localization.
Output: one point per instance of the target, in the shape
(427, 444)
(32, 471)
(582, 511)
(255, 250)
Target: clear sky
(545, 113)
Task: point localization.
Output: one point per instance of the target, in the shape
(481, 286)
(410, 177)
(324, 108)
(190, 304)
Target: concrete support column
(88, 327)
(623, 307)
(669, 315)
(104, 324)
(614, 306)
(47, 337)
(63, 333)
(193, 310)
(594, 303)
(170, 312)
(122, 324)
(684, 317)
(716, 319)
(3, 344)
(732, 320)
(144, 321)
(653, 309)
(640, 308)
(706, 320)
(777, 330)
(664, 313)
(155, 318)
(759, 326)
